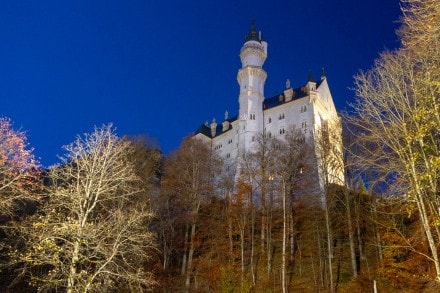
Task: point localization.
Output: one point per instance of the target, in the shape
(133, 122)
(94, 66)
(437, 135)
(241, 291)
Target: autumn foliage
(116, 215)
(17, 167)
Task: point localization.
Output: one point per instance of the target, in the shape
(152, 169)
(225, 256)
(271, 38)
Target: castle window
(304, 124)
(282, 131)
(230, 141)
(253, 138)
(252, 116)
(281, 116)
(228, 156)
(303, 109)
(270, 120)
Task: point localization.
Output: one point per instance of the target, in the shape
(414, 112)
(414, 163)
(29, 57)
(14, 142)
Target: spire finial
(311, 78)
(253, 35)
(323, 73)
(288, 84)
(226, 115)
(253, 25)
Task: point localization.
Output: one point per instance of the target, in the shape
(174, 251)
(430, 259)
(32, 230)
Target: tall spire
(323, 75)
(311, 78)
(253, 35)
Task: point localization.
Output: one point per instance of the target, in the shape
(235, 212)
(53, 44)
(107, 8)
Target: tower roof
(311, 78)
(253, 35)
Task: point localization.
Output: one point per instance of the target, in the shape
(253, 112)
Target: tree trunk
(231, 241)
(329, 245)
(283, 261)
(190, 257)
(185, 251)
(351, 234)
(254, 279)
(242, 231)
(72, 270)
(269, 236)
(429, 236)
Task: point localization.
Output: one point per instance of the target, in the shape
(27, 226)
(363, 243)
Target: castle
(306, 107)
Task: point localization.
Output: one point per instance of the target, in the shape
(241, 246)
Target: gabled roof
(279, 99)
(206, 129)
(275, 101)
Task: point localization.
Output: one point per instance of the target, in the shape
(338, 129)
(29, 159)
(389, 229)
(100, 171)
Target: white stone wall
(305, 114)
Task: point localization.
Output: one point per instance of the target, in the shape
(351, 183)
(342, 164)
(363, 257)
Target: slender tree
(257, 168)
(292, 159)
(330, 166)
(189, 174)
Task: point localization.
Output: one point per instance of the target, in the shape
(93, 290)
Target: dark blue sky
(162, 68)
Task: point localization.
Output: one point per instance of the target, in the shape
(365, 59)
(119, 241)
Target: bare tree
(189, 175)
(330, 167)
(90, 235)
(257, 167)
(398, 116)
(292, 159)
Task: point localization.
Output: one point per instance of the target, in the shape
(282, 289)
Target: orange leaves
(18, 168)
(14, 151)
(243, 192)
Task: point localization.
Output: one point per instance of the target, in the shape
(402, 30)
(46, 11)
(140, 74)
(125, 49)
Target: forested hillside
(117, 216)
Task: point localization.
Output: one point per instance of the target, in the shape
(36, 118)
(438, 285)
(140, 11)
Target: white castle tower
(251, 78)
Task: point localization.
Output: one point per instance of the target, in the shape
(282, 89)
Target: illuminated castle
(306, 107)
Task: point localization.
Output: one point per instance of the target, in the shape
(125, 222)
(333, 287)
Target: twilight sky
(162, 68)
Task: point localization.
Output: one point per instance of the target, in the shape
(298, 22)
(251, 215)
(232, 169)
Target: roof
(275, 101)
(253, 35)
(206, 129)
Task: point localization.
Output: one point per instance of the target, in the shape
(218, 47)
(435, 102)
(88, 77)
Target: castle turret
(288, 92)
(251, 78)
(213, 127)
(311, 83)
(226, 123)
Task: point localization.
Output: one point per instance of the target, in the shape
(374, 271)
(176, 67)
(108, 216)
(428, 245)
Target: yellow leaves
(46, 243)
(435, 162)
(436, 222)
(37, 225)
